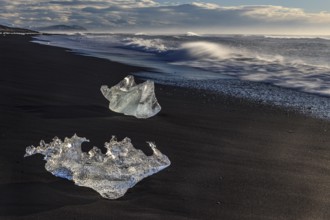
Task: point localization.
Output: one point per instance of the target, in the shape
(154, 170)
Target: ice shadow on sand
(66, 111)
(20, 199)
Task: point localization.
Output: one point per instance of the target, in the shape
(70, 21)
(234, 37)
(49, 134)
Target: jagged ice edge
(110, 174)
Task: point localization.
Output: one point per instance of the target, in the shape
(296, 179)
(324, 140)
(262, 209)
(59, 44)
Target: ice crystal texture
(110, 174)
(131, 99)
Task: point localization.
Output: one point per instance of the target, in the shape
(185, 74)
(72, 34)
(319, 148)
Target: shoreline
(312, 103)
(309, 105)
(231, 158)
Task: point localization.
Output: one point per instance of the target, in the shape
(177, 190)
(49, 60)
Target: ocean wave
(206, 50)
(141, 34)
(192, 34)
(253, 66)
(239, 61)
(147, 45)
(300, 64)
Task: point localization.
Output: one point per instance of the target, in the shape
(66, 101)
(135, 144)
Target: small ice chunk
(131, 99)
(110, 174)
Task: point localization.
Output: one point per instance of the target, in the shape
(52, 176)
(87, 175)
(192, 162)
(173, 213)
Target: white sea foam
(192, 34)
(297, 37)
(16, 33)
(148, 45)
(310, 104)
(206, 50)
(140, 34)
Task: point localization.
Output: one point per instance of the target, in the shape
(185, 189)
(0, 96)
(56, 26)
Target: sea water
(289, 71)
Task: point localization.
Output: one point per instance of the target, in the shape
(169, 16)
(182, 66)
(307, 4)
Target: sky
(161, 16)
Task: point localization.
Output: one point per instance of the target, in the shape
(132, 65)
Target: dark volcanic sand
(231, 159)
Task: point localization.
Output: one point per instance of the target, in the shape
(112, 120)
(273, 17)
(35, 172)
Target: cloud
(206, 5)
(148, 15)
(273, 12)
(122, 3)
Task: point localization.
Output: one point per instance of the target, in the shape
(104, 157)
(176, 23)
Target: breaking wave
(147, 45)
(195, 50)
(192, 34)
(205, 50)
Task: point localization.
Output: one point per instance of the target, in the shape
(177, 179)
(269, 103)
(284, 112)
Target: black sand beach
(231, 159)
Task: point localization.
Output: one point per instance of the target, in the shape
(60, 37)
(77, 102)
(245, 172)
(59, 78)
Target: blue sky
(159, 16)
(307, 5)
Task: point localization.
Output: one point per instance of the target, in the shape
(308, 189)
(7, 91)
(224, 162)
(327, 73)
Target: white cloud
(135, 15)
(206, 5)
(274, 13)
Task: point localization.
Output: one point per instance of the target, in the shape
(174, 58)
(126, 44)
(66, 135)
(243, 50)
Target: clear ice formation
(110, 174)
(131, 99)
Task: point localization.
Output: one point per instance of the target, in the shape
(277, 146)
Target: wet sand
(231, 159)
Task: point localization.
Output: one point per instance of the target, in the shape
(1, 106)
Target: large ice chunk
(110, 174)
(131, 99)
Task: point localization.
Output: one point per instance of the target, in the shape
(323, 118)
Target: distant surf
(297, 37)
(290, 66)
